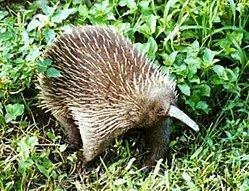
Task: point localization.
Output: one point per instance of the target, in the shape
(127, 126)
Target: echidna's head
(160, 103)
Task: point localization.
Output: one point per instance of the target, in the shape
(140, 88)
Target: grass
(203, 44)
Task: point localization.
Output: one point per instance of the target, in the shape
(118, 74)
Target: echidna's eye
(160, 111)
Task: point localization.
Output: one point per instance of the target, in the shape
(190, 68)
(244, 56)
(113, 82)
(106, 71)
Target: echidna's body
(106, 88)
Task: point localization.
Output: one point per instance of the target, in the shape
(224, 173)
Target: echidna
(106, 88)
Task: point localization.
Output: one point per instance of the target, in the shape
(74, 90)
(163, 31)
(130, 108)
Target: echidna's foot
(157, 138)
(73, 138)
(151, 159)
(148, 166)
(90, 166)
(86, 167)
(72, 132)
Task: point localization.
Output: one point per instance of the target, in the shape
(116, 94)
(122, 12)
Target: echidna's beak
(179, 114)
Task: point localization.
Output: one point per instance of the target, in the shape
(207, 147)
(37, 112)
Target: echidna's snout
(167, 107)
(179, 114)
(164, 99)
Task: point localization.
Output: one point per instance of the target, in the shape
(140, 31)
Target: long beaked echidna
(106, 88)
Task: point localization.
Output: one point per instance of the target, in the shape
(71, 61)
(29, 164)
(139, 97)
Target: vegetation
(204, 44)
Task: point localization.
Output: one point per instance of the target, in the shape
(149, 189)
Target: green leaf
(25, 37)
(152, 46)
(52, 72)
(196, 153)
(3, 14)
(25, 146)
(63, 147)
(195, 79)
(193, 100)
(122, 3)
(83, 11)
(195, 46)
(34, 23)
(43, 170)
(225, 44)
(216, 80)
(152, 23)
(185, 89)
(192, 50)
(49, 35)
(33, 54)
(110, 16)
(51, 136)
(232, 76)
(219, 70)
(189, 182)
(204, 90)
(32, 142)
(129, 3)
(182, 71)
(237, 36)
(13, 111)
(208, 55)
(46, 167)
(9, 117)
(6, 36)
(231, 87)
(24, 165)
(202, 105)
(143, 48)
(192, 70)
(124, 27)
(236, 55)
(144, 5)
(46, 9)
(42, 66)
(62, 15)
(170, 59)
(47, 62)
(193, 61)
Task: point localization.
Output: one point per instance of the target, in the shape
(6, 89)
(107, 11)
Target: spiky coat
(104, 88)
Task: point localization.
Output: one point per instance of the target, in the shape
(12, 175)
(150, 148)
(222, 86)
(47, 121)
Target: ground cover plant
(204, 45)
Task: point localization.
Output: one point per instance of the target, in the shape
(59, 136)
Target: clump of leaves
(44, 67)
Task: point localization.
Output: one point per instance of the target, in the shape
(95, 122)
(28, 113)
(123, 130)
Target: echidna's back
(97, 65)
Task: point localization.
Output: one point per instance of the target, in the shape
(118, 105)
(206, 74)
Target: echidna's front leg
(72, 131)
(157, 138)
